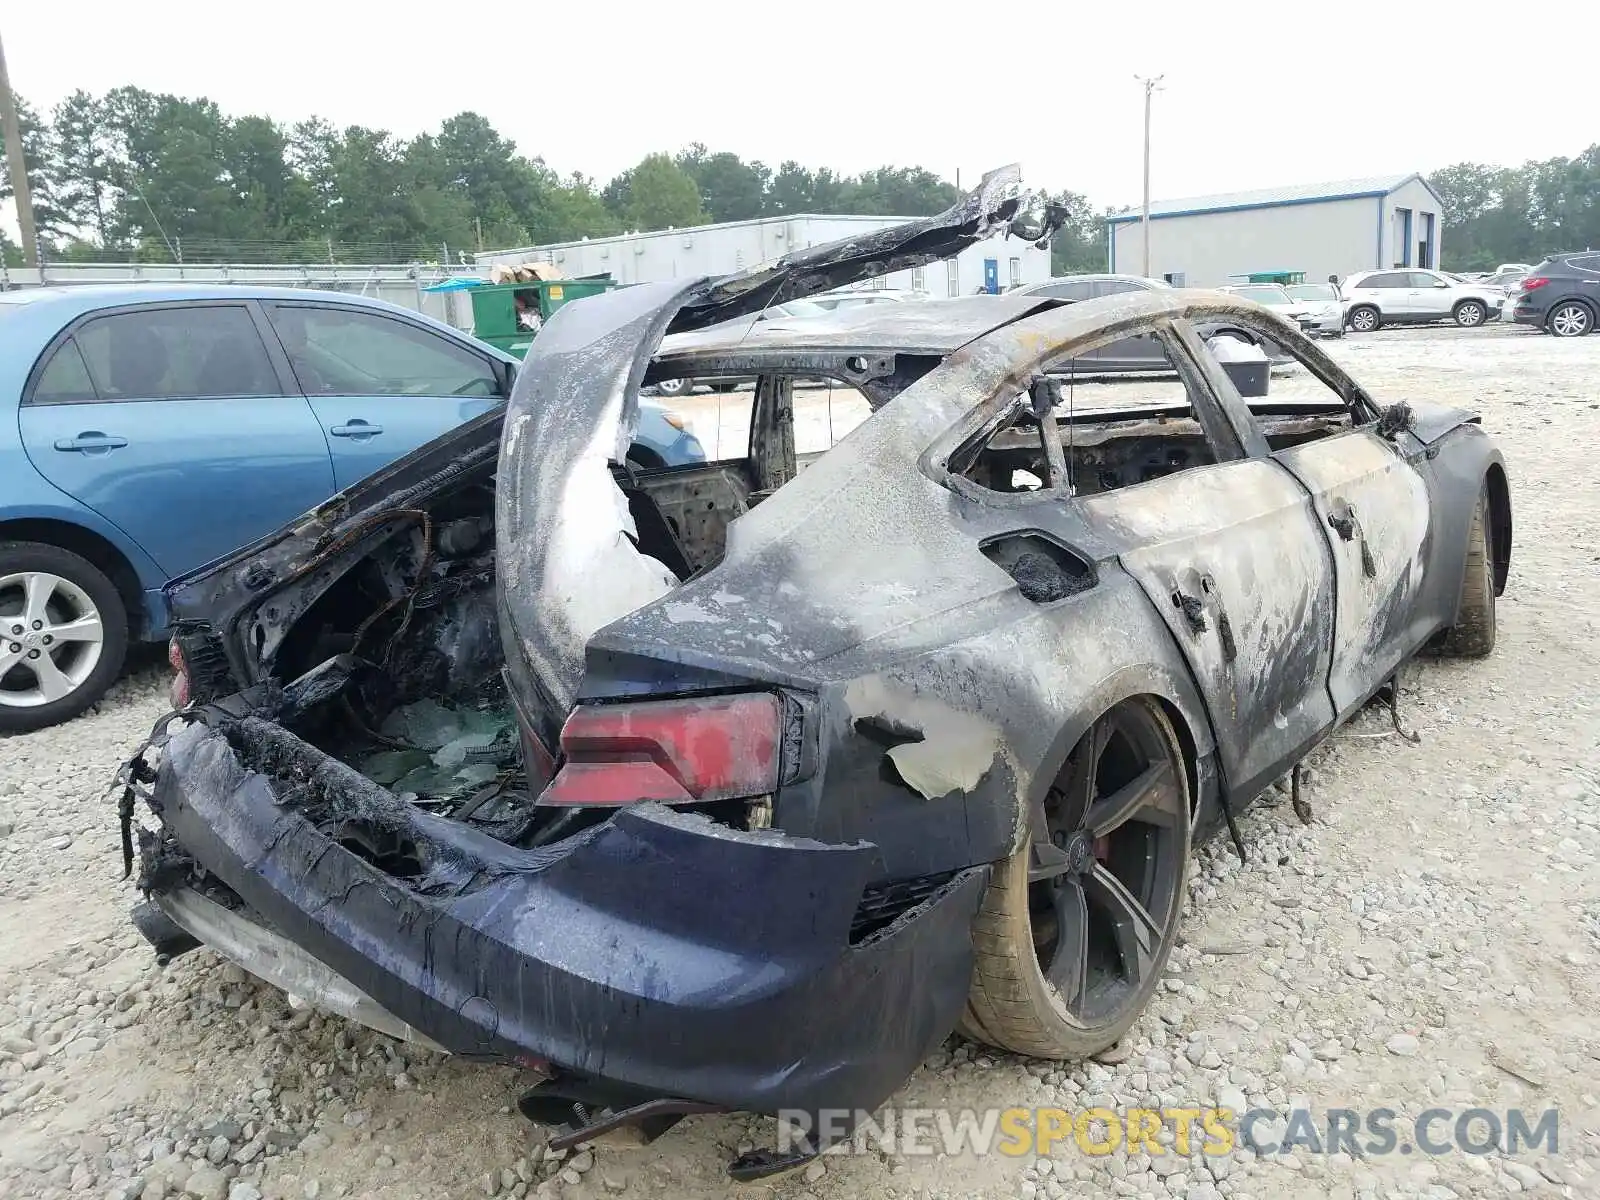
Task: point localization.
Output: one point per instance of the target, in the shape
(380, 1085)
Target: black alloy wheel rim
(1106, 864)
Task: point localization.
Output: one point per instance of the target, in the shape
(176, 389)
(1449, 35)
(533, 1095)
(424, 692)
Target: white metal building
(1320, 228)
(737, 245)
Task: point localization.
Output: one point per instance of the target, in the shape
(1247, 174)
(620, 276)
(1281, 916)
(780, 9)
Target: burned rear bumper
(660, 952)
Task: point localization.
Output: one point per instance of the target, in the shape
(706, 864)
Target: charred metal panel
(1457, 464)
(738, 983)
(1372, 507)
(1233, 558)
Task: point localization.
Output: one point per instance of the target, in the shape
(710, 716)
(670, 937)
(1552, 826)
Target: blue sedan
(154, 428)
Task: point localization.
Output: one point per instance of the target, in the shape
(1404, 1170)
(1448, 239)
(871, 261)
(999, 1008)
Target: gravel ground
(1429, 940)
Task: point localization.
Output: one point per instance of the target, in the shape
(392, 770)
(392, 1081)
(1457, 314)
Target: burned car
(739, 786)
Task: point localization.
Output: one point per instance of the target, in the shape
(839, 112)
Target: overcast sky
(1262, 94)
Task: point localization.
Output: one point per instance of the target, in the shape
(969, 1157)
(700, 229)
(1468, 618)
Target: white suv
(1414, 297)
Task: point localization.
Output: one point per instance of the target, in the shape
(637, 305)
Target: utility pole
(1151, 86)
(19, 167)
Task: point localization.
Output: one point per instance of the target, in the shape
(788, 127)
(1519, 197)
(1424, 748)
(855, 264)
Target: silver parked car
(1321, 319)
(1416, 297)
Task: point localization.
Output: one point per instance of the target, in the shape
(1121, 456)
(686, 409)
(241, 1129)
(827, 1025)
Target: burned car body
(817, 757)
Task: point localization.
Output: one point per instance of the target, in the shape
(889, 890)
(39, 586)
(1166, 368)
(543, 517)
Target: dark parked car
(151, 428)
(815, 762)
(1561, 295)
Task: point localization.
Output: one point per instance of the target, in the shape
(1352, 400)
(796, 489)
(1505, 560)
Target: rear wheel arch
(1180, 704)
(98, 550)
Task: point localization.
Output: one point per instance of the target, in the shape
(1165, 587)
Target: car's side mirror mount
(1395, 419)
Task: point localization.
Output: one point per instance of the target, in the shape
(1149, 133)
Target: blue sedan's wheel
(63, 635)
(1077, 925)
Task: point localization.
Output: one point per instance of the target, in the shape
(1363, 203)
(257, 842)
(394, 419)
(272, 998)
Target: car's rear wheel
(1076, 926)
(1469, 314)
(1570, 318)
(63, 635)
(675, 387)
(1472, 636)
(1364, 318)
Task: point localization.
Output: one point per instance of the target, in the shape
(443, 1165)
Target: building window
(918, 281)
(1016, 272)
(953, 277)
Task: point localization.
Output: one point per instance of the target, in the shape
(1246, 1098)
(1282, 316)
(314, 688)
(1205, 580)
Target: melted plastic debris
(442, 750)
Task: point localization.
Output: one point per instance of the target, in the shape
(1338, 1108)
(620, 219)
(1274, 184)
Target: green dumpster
(494, 307)
(1283, 277)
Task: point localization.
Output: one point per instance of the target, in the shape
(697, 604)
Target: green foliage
(136, 174)
(1080, 246)
(1518, 214)
(657, 193)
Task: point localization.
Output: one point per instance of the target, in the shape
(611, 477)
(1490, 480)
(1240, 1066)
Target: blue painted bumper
(658, 952)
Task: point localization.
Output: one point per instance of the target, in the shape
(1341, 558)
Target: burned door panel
(1373, 510)
(1232, 558)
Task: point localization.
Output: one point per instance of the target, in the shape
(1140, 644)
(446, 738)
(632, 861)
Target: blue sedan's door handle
(89, 441)
(356, 429)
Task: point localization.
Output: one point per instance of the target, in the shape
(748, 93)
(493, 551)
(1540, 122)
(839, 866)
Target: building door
(991, 276)
(1425, 246)
(1402, 237)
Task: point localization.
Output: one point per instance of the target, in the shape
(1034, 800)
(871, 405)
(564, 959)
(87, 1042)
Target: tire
(1472, 636)
(1365, 319)
(675, 387)
(1570, 318)
(72, 599)
(1031, 993)
(1469, 314)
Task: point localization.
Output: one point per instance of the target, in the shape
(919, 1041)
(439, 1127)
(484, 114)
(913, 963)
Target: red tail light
(672, 751)
(179, 692)
(1534, 281)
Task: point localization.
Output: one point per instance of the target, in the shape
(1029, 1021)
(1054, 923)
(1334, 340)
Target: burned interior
(706, 787)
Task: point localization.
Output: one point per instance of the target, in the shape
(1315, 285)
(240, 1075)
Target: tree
(43, 175)
(82, 144)
(897, 192)
(655, 194)
(730, 188)
(1518, 214)
(1079, 246)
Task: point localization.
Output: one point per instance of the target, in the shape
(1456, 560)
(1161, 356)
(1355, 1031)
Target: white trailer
(999, 263)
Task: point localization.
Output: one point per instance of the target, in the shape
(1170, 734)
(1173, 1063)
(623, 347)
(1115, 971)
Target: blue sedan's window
(339, 352)
(64, 380)
(177, 354)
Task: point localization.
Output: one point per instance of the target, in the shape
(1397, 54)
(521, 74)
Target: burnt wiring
(1301, 806)
(1393, 699)
(136, 778)
(424, 566)
(1233, 825)
(1390, 694)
